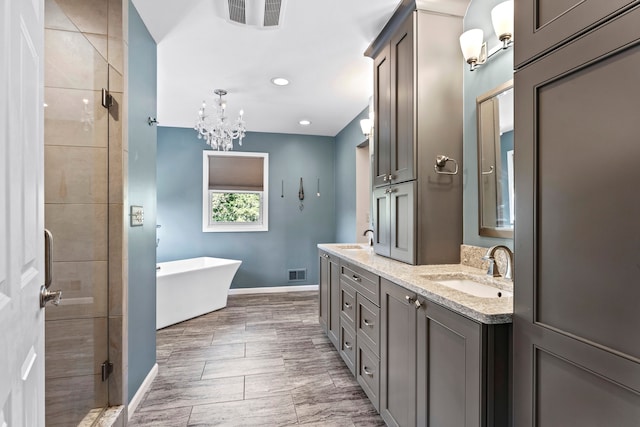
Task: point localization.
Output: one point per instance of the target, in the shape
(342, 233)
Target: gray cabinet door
(544, 24)
(403, 129)
(449, 360)
(325, 277)
(333, 320)
(382, 103)
(403, 221)
(381, 221)
(576, 322)
(397, 355)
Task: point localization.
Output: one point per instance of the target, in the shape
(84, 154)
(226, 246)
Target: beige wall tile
(116, 53)
(75, 174)
(115, 18)
(75, 347)
(70, 120)
(90, 16)
(79, 231)
(68, 400)
(116, 156)
(116, 81)
(84, 290)
(116, 268)
(118, 379)
(100, 43)
(71, 61)
(55, 18)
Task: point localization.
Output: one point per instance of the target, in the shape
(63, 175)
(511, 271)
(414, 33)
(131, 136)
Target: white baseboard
(146, 384)
(273, 290)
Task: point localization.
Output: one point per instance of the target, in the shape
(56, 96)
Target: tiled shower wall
(85, 181)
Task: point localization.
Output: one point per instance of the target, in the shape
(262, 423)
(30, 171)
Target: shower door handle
(45, 294)
(48, 258)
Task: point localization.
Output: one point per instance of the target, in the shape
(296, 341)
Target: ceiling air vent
(256, 13)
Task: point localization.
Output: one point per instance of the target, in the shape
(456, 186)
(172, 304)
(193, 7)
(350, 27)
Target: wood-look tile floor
(261, 361)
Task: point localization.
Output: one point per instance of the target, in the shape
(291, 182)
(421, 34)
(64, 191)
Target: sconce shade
(365, 125)
(502, 19)
(471, 44)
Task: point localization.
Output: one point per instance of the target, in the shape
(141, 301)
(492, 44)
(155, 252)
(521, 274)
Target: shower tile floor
(261, 361)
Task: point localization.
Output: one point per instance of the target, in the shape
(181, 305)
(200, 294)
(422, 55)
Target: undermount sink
(350, 247)
(474, 288)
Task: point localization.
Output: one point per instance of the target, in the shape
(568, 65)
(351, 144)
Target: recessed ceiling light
(305, 122)
(279, 81)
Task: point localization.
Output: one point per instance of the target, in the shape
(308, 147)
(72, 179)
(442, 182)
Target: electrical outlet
(137, 216)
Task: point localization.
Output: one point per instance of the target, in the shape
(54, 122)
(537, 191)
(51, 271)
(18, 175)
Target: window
(235, 191)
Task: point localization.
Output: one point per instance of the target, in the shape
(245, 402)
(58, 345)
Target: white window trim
(206, 205)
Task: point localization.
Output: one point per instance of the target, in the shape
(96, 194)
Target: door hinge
(107, 369)
(107, 99)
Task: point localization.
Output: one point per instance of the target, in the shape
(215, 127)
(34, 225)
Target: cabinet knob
(347, 345)
(347, 305)
(367, 323)
(391, 177)
(356, 278)
(418, 304)
(409, 299)
(367, 371)
(384, 178)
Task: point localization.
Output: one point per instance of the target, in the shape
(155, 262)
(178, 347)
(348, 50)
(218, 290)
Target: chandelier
(216, 130)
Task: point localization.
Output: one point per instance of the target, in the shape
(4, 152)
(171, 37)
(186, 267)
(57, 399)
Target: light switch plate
(137, 216)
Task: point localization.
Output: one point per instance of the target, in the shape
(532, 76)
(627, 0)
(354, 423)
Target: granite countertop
(411, 277)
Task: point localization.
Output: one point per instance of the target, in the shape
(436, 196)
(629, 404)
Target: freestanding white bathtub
(191, 287)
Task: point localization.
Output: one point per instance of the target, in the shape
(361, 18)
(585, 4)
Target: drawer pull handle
(347, 345)
(409, 299)
(367, 371)
(366, 323)
(347, 305)
(356, 278)
(325, 255)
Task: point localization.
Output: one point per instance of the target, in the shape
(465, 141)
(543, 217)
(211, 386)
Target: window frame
(238, 227)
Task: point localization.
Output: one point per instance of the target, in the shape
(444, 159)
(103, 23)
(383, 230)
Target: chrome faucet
(493, 267)
(370, 237)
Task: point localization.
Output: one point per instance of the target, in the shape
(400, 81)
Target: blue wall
(142, 192)
(498, 70)
(293, 234)
(346, 142)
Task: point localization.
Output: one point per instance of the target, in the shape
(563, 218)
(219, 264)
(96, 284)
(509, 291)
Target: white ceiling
(319, 48)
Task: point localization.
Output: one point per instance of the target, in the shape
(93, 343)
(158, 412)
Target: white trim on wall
(144, 387)
(273, 289)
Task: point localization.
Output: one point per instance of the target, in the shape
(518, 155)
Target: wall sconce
(365, 125)
(474, 49)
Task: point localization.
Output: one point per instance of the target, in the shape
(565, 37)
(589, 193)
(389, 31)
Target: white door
(21, 213)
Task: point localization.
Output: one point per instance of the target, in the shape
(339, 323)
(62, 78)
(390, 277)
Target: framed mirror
(495, 162)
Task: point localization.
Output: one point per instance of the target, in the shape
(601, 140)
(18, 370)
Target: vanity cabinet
(360, 326)
(418, 105)
(543, 25)
(438, 367)
(576, 352)
(329, 308)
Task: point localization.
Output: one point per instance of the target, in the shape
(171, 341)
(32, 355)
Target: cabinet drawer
(363, 281)
(368, 374)
(348, 348)
(367, 323)
(347, 305)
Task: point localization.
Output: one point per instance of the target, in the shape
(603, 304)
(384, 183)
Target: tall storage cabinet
(418, 116)
(576, 346)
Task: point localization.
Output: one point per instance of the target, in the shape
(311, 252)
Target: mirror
(495, 161)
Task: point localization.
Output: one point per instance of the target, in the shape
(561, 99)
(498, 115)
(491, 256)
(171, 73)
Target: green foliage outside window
(235, 207)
